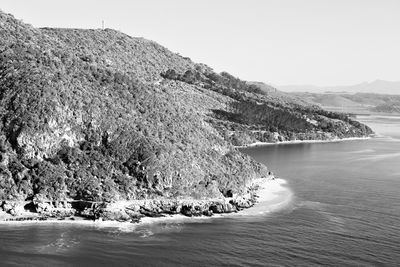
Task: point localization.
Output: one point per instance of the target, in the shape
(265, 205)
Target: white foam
(380, 157)
(363, 151)
(273, 196)
(62, 243)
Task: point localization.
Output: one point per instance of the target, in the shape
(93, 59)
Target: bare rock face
(223, 208)
(14, 208)
(117, 215)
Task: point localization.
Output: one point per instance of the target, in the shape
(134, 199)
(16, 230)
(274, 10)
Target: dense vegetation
(261, 113)
(97, 115)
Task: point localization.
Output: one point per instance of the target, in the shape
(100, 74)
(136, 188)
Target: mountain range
(377, 87)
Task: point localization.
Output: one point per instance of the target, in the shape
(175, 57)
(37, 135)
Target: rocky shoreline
(127, 211)
(288, 142)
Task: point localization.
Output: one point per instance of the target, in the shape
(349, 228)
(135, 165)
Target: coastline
(258, 191)
(257, 144)
(263, 196)
(266, 198)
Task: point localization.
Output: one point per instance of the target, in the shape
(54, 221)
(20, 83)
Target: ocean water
(340, 206)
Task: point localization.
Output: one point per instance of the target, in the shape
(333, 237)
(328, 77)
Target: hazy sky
(322, 42)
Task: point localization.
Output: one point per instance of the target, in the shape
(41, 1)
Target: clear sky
(322, 42)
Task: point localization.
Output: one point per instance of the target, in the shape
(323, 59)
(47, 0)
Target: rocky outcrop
(126, 211)
(15, 208)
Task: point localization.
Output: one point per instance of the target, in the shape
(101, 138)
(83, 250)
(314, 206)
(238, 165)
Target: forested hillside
(97, 115)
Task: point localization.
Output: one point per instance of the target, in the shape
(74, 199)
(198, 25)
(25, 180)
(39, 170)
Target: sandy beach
(272, 196)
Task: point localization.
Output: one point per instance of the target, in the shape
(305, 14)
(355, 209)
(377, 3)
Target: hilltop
(95, 117)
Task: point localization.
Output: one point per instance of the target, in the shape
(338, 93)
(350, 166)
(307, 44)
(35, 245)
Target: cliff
(96, 116)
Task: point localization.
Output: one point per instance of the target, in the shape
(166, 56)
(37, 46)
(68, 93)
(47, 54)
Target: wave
(363, 151)
(379, 157)
(390, 139)
(333, 221)
(61, 244)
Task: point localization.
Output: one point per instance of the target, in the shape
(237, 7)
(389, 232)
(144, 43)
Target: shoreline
(314, 141)
(137, 212)
(267, 197)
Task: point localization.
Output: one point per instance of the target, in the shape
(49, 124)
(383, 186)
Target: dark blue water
(345, 211)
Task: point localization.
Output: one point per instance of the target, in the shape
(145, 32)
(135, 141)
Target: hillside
(387, 108)
(90, 117)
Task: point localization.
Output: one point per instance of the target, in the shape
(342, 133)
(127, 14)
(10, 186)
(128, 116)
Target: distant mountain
(328, 100)
(277, 95)
(377, 87)
(353, 103)
(388, 108)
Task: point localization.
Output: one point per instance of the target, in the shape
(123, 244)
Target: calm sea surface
(344, 211)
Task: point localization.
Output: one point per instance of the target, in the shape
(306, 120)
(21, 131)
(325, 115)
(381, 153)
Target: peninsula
(102, 125)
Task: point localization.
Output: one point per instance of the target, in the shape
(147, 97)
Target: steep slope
(96, 116)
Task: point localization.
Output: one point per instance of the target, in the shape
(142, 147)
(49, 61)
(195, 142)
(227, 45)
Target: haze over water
(343, 209)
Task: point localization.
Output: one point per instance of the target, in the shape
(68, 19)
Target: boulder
(12, 207)
(189, 210)
(228, 208)
(150, 213)
(217, 208)
(135, 216)
(115, 215)
(133, 207)
(208, 213)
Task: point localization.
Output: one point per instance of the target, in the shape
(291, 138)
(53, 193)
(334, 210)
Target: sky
(320, 42)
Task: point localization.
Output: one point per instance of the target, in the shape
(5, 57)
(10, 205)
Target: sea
(338, 205)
